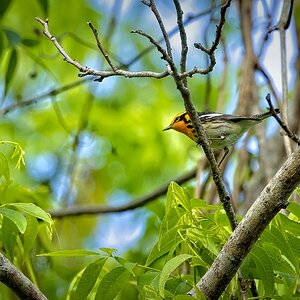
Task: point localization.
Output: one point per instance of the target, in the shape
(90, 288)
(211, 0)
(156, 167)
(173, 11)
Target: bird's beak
(167, 128)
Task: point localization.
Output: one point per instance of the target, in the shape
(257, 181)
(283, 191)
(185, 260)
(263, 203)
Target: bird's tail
(265, 115)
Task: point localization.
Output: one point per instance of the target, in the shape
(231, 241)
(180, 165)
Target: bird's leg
(226, 151)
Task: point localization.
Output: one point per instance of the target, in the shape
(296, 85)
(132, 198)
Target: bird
(222, 130)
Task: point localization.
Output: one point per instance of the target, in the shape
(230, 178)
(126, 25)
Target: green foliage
(191, 235)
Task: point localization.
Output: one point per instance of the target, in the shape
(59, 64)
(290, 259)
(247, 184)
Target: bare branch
(18, 282)
(165, 55)
(104, 209)
(190, 18)
(283, 125)
(211, 51)
(85, 71)
(220, 26)
(183, 39)
(42, 97)
(153, 7)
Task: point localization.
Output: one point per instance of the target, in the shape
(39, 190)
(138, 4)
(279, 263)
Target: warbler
(222, 130)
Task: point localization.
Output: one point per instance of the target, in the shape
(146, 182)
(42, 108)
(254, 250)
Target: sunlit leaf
(177, 196)
(264, 268)
(33, 210)
(276, 236)
(168, 268)
(30, 234)
(168, 240)
(1, 44)
(109, 251)
(67, 253)
(88, 279)
(294, 208)
(9, 236)
(112, 283)
(16, 217)
(4, 168)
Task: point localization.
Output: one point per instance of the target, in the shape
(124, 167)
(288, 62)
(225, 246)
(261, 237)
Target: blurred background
(101, 143)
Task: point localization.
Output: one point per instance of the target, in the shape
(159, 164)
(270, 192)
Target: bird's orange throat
(182, 127)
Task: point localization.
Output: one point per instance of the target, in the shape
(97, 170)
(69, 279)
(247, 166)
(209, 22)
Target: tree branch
(138, 202)
(100, 47)
(272, 199)
(44, 96)
(284, 126)
(18, 282)
(85, 71)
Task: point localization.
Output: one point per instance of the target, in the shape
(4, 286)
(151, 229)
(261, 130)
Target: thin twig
(183, 39)
(162, 27)
(42, 97)
(283, 125)
(86, 71)
(100, 47)
(190, 18)
(165, 55)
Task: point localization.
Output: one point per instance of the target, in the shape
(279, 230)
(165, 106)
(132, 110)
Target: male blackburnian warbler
(222, 130)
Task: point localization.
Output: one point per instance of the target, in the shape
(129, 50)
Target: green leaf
(30, 234)
(89, 278)
(294, 208)
(126, 264)
(9, 236)
(148, 279)
(289, 225)
(67, 253)
(109, 251)
(1, 45)
(279, 263)
(170, 220)
(29, 42)
(4, 4)
(112, 283)
(169, 267)
(264, 268)
(44, 6)
(179, 285)
(185, 297)
(277, 237)
(11, 67)
(16, 217)
(177, 196)
(167, 241)
(33, 210)
(4, 168)
(148, 285)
